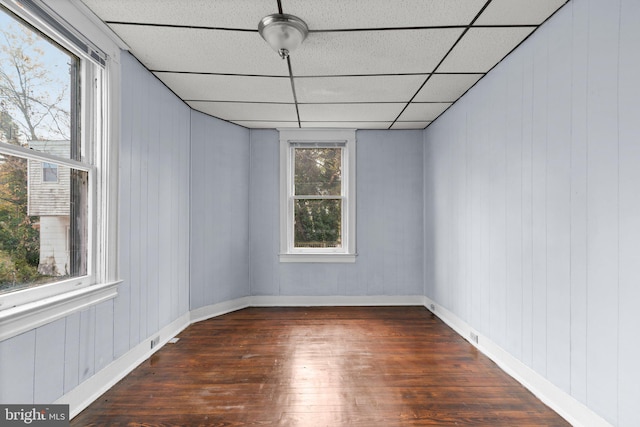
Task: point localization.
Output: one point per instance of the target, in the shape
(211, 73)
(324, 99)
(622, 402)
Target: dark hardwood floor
(308, 367)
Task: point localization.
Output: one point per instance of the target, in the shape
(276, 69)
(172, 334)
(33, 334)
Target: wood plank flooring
(308, 367)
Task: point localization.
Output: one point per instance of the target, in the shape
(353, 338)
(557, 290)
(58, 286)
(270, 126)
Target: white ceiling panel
(347, 125)
(446, 87)
(245, 14)
(410, 125)
(372, 52)
(204, 87)
(234, 111)
(518, 12)
(358, 89)
(423, 112)
(481, 48)
(362, 62)
(340, 14)
(210, 51)
(256, 124)
(349, 112)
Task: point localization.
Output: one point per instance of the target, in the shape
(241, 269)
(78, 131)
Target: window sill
(319, 258)
(22, 318)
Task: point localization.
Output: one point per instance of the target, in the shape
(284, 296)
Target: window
(317, 195)
(49, 172)
(54, 191)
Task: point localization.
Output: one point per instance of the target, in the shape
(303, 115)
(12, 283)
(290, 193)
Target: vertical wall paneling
(629, 154)
(558, 213)
(475, 225)
(86, 366)
(49, 362)
(264, 240)
(17, 368)
(155, 141)
(152, 215)
(184, 222)
(498, 209)
(122, 304)
(484, 214)
(104, 335)
(72, 352)
(539, 201)
(141, 204)
(552, 230)
(164, 175)
(579, 314)
(197, 246)
(131, 146)
(219, 211)
(525, 56)
(513, 211)
(428, 219)
(602, 206)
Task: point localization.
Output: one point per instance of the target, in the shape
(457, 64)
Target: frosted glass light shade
(283, 32)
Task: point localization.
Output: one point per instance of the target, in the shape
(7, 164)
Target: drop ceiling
(366, 64)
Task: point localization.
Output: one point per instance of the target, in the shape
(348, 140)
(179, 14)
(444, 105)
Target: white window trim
(346, 254)
(27, 309)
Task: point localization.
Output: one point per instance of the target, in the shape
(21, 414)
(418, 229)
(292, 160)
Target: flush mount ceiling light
(283, 32)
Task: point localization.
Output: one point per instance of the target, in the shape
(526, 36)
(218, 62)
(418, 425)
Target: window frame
(27, 309)
(290, 139)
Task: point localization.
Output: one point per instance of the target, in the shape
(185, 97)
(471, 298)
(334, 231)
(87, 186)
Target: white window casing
(68, 25)
(296, 138)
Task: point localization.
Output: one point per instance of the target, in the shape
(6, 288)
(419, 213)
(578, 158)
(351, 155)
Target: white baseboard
(90, 390)
(335, 301)
(561, 402)
(214, 310)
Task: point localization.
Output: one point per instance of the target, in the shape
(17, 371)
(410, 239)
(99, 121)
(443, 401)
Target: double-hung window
(54, 153)
(317, 207)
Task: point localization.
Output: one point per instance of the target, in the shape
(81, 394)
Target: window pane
(38, 91)
(318, 223)
(49, 172)
(318, 171)
(43, 227)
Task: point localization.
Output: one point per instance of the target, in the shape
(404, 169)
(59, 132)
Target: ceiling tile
(204, 87)
(256, 124)
(245, 14)
(234, 111)
(349, 112)
(446, 87)
(358, 89)
(207, 51)
(372, 52)
(423, 112)
(481, 48)
(410, 125)
(361, 63)
(347, 125)
(340, 14)
(518, 12)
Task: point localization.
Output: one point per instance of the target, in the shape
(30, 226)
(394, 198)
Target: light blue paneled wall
(41, 365)
(219, 211)
(532, 214)
(154, 207)
(389, 222)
